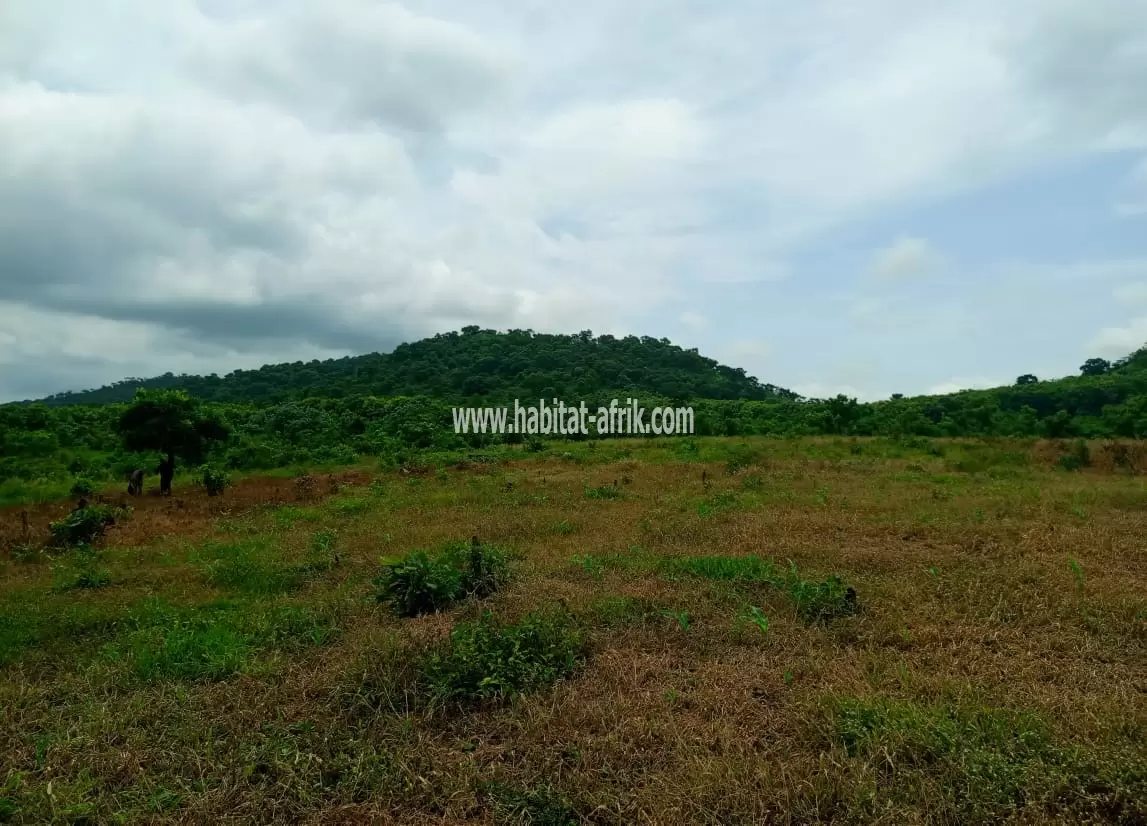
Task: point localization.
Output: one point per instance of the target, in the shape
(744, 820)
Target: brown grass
(968, 601)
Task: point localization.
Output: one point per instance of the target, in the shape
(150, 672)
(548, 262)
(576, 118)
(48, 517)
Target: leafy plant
(419, 584)
(819, 601)
(753, 614)
(84, 526)
(422, 584)
(82, 487)
(603, 492)
(214, 479)
(485, 660)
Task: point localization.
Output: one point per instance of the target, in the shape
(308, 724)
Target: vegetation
(473, 363)
(911, 611)
(328, 418)
(928, 654)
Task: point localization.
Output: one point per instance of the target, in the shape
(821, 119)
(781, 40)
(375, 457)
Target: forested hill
(473, 363)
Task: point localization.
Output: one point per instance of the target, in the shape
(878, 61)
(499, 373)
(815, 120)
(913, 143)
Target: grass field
(664, 634)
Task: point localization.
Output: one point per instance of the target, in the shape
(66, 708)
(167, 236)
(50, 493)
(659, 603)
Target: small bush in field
(422, 584)
(82, 487)
(214, 480)
(84, 526)
(419, 584)
(485, 660)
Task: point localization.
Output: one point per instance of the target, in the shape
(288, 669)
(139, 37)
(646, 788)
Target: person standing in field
(166, 471)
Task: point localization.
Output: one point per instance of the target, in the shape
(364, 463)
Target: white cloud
(694, 321)
(1115, 342)
(906, 258)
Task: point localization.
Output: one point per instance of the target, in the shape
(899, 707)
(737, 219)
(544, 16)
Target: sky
(872, 197)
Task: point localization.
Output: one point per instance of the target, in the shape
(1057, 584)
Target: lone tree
(1095, 367)
(1027, 378)
(171, 422)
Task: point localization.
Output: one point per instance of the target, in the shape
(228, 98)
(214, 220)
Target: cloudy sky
(864, 197)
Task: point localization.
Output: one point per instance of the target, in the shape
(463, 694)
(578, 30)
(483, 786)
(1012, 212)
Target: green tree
(1095, 367)
(1027, 378)
(171, 422)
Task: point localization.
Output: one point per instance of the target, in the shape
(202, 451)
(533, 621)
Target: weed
(1077, 459)
(681, 616)
(485, 660)
(741, 457)
(323, 541)
(81, 488)
(419, 584)
(982, 764)
(591, 565)
(603, 492)
(1077, 572)
(753, 482)
(820, 601)
(753, 614)
(82, 572)
(564, 528)
(543, 806)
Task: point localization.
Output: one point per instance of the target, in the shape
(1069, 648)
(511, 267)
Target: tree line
(42, 445)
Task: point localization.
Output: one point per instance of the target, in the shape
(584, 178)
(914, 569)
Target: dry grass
(985, 678)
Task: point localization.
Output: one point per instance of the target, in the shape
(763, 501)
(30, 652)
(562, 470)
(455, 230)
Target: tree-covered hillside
(474, 363)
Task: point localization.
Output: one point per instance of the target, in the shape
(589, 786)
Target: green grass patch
(488, 661)
(980, 765)
(213, 642)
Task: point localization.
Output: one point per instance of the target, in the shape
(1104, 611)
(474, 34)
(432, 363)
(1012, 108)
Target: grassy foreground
(671, 632)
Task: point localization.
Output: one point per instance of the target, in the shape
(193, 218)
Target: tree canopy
(472, 364)
(171, 422)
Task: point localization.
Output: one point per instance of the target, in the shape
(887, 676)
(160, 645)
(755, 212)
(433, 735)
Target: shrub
(84, 526)
(422, 584)
(82, 487)
(214, 480)
(419, 584)
(485, 660)
(484, 568)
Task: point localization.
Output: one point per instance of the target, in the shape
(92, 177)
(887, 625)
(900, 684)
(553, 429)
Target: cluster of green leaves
(487, 660)
(83, 526)
(420, 583)
(214, 479)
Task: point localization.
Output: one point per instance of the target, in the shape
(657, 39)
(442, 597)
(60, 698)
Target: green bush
(214, 480)
(484, 567)
(485, 660)
(82, 487)
(84, 526)
(421, 584)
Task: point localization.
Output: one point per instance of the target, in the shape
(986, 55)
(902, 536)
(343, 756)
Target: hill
(474, 364)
